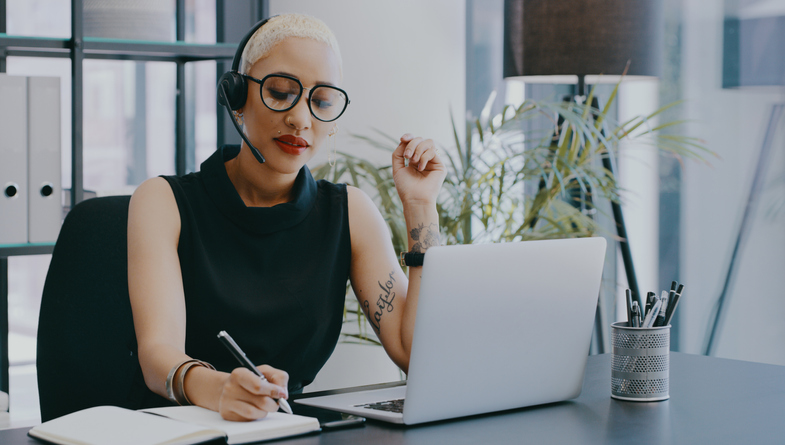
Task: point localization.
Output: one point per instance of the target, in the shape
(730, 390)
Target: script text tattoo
(384, 303)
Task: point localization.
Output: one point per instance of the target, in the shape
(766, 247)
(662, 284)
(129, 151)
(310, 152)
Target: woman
(262, 250)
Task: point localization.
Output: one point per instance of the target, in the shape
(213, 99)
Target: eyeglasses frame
(302, 88)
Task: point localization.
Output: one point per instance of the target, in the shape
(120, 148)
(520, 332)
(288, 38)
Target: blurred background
(408, 65)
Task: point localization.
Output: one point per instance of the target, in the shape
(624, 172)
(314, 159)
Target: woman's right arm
(158, 303)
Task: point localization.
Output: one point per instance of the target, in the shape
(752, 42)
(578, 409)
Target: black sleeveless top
(274, 277)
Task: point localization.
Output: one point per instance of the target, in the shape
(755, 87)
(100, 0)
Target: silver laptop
(499, 326)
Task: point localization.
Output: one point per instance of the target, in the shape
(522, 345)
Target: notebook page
(120, 426)
(273, 426)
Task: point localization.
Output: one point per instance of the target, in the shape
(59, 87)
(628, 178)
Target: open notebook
(175, 425)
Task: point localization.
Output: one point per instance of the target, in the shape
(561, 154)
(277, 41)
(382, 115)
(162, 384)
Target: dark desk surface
(712, 401)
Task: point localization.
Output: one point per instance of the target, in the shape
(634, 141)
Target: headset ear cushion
(232, 90)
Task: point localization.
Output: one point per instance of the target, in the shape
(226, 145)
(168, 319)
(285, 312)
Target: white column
(638, 177)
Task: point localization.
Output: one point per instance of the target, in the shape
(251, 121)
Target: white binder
(45, 211)
(13, 159)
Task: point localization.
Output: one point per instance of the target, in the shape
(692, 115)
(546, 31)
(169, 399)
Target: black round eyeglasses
(280, 92)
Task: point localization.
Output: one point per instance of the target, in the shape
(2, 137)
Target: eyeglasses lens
(280, 93)
(327, 103)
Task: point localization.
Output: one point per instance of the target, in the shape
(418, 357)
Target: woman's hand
(245, 396)
(419, 181)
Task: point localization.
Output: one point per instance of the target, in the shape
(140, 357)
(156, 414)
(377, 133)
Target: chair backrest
(86, 342)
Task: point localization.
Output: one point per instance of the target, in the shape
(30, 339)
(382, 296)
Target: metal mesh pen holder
(640, 362)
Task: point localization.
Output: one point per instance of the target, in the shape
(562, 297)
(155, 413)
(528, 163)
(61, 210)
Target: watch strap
(412, 259)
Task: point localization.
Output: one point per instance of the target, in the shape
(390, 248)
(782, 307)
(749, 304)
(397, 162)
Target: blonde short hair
(281, 27)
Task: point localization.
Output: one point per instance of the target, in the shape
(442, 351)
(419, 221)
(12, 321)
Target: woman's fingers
(255, 385)
(398, 160)
(266, 404)
(422, 154)
(421, 180)
(411, 149)
(246, 397)
(417, 150)
(276, 377)
(428, 155)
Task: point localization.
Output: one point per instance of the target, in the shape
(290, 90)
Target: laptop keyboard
(393, 406)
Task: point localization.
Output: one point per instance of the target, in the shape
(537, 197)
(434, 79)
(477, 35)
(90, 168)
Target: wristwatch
(412, 259)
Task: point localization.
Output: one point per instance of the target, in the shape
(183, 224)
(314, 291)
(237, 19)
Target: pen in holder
(640, 362)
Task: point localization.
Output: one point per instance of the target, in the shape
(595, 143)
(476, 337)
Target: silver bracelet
(170, 378)
(171, 391)
(179, 388)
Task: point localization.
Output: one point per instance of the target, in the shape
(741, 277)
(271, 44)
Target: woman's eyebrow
(318, 82)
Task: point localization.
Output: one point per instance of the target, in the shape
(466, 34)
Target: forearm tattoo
(425, 237)
(384, 303)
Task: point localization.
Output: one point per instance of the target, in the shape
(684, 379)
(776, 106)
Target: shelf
(116, 49)
(7, 250)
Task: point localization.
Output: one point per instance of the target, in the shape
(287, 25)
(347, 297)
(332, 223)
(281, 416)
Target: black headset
(232, 88)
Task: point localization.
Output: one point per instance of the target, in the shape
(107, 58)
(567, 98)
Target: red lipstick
(291, 144)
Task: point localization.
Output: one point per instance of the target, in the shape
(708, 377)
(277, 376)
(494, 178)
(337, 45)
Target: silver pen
(238, 353)
(636, 315)
(652, 315)
(660, 319)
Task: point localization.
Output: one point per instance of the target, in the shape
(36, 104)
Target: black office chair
(86, 341)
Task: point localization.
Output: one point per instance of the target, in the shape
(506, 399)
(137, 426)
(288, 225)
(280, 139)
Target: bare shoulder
(367, 227)
(153, 187)
(153, 203)
(362, 210)
(359, 200)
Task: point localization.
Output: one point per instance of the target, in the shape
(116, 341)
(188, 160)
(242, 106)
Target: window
(128, 131)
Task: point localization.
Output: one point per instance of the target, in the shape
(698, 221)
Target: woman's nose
(300, 115)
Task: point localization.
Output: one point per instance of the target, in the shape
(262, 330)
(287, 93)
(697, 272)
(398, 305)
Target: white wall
(404, 65)
(732, 122)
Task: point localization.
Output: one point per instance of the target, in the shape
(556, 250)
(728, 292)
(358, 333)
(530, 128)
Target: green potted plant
(505, 183)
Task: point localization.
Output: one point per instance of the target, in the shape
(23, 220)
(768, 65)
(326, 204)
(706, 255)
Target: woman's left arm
(387, 296)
